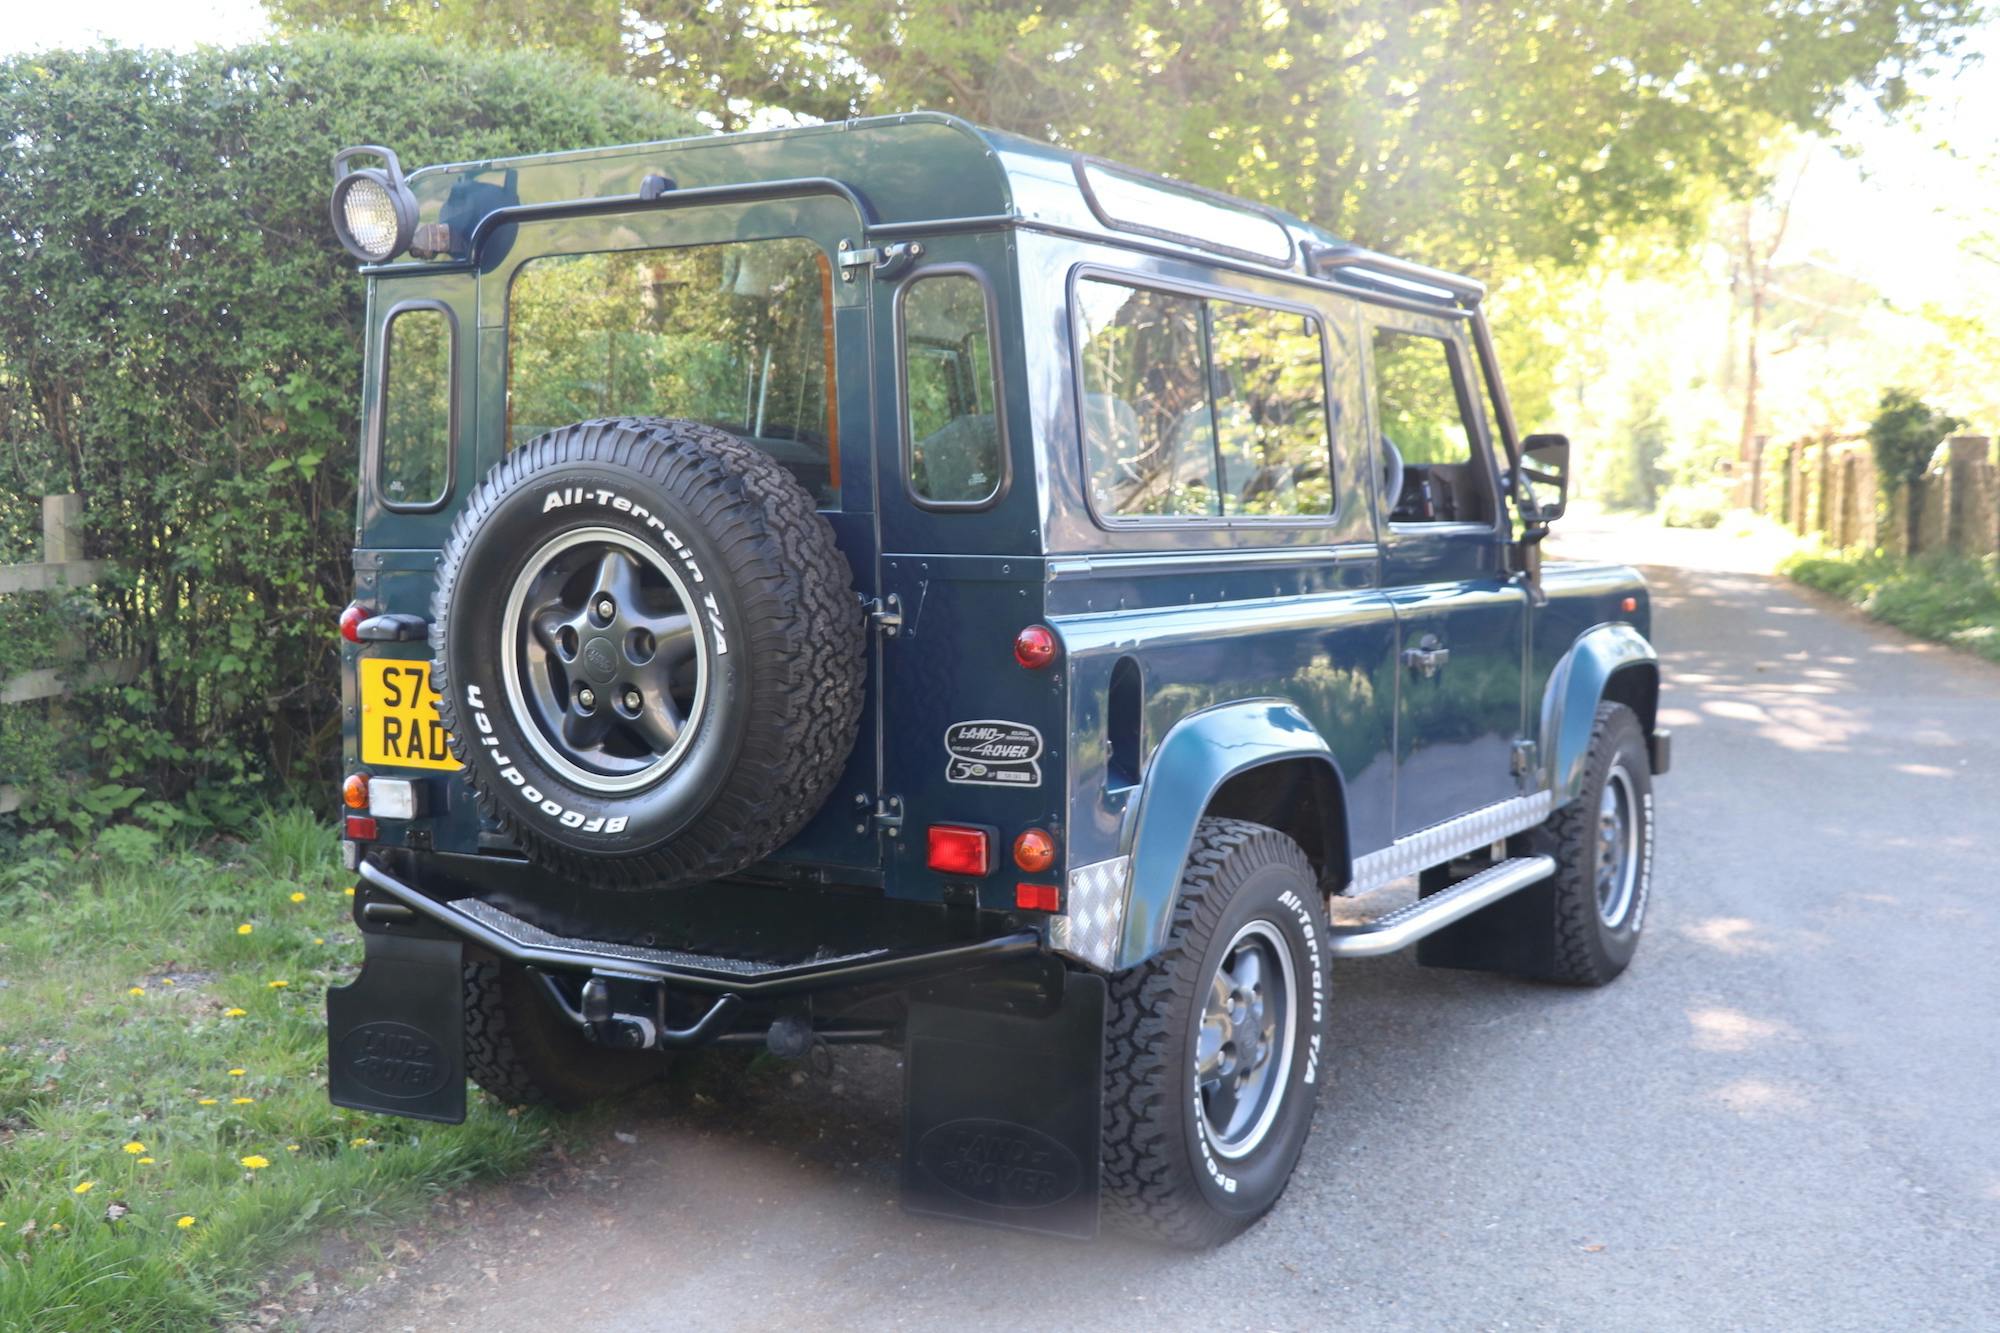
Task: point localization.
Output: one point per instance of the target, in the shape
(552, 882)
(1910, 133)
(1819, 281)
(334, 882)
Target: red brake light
(350, 622)
(1034, 851)
(1035, 647)
(957, 849)
(360, 828)
(1037, 898)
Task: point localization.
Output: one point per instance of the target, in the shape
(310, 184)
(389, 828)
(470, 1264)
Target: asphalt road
(1785, 1115)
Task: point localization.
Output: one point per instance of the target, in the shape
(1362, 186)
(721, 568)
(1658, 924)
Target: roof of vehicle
(909, 173)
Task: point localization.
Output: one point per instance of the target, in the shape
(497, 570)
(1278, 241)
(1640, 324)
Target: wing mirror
(1545, 477)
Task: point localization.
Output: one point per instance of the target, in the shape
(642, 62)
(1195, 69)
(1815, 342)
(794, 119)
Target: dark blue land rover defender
(896, 582)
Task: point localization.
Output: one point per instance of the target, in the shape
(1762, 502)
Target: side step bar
(1406, 925)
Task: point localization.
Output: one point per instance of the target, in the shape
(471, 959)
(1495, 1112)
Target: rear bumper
(507, 936)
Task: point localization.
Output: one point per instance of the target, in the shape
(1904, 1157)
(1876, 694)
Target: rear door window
(955, 448)
(736, 335)
(414, 464)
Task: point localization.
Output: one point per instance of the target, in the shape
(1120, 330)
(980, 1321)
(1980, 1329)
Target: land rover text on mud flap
(897, 582)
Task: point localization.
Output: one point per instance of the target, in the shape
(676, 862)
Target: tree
(1479, 135)
(1905, 434)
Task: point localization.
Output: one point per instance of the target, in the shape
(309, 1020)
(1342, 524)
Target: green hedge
(180, 343)
(1950, 598)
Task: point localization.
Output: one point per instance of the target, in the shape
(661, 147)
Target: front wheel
(1214, 1047)
(1603, 846)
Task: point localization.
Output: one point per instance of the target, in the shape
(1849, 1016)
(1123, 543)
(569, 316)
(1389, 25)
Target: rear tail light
(360, 828)
(354, 791)
(1037, 898)
(350, 622)
(959, 849)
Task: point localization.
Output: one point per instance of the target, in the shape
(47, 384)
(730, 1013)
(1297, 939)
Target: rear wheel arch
(1637, 687)
(1302, 798)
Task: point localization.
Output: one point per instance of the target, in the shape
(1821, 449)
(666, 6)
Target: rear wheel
(1213, 1047)
(521, 1050)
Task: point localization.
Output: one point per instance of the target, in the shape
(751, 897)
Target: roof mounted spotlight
(374, 213)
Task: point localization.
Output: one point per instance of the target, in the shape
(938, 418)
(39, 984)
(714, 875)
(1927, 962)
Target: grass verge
(1948, 598)
(165, 1140)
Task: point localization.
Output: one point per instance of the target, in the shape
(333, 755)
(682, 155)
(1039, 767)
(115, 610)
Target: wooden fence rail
(62, 566)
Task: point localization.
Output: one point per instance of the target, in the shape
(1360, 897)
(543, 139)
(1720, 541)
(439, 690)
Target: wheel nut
(632, 700)
(605, 608)
(586, 697)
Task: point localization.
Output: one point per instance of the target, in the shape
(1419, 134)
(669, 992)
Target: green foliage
(1630, 476)
(88, 1068)
(1700, 505)
(1905, 433)
(1946, 597)
(1473, 134)
(181, 345)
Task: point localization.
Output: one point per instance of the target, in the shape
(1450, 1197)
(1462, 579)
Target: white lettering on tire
(570, 819)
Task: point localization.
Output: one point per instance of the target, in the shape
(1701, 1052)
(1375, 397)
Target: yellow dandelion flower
(256, 1161)
(58, 1227)
(184, 1222)
(85, 1188)
(241, 1101)
(236, 1073)
(291, 1147)
(136, 990)
(233, 1012)
(349, 890)
(318, 940)
(278, 985)
(205, 1101)
(135, 1147)
(298, 897)
(145, 1161)
(166, 981)
(244, 929)
(361, 1143)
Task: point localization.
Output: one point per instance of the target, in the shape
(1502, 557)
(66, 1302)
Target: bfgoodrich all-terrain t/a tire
(1214, 1047)
(648, 651)
(1603, 847)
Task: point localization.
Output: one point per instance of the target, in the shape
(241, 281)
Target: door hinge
(1527, 757)
(886, 261)
(888, 816)
(886, 615)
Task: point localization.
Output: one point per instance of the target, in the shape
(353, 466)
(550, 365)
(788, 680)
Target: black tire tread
(1571, 837)
(523, 1060)
(1142, 1192)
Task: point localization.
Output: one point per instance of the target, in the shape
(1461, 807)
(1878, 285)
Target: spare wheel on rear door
(648, 651)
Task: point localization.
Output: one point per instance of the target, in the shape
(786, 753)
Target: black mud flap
(395, 1039)
(1515, 937)
(1002, 1113)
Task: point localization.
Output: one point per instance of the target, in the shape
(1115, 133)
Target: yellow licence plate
(399, 716)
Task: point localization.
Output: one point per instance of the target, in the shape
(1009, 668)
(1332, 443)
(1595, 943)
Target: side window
(1201, 408)
(413, 469)
(1430, 453)
(955, 447)
(1270, 411)
(1145, 403)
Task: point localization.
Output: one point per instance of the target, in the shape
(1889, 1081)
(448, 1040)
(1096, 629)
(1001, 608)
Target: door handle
(1428, 657)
